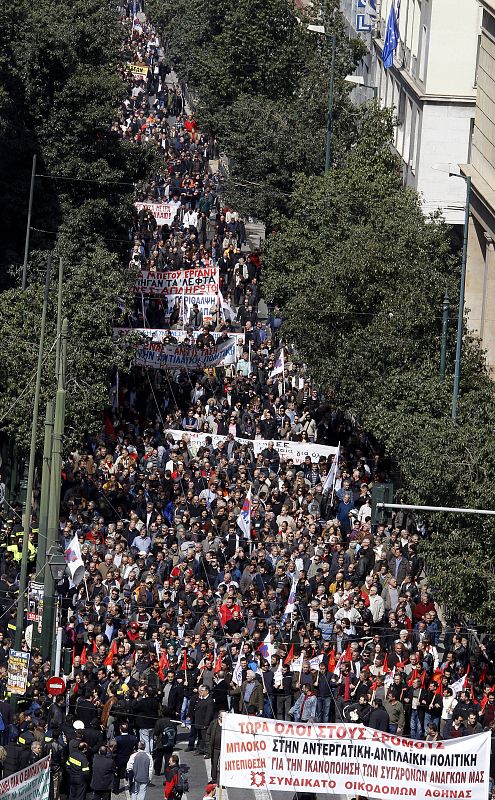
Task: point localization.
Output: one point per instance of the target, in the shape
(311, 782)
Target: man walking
(140, 765)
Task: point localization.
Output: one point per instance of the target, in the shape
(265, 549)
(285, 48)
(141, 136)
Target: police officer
(78, 772)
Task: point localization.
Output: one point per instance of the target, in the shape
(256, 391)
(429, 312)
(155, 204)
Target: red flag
(331, 660)
(386, 667)
(414, 675)
(218, 664)
(183, 666)
(163, 664)
(109, 659)
(83, 655)
(402, 664)
(473, 696)
(290, 656)
(348, 651)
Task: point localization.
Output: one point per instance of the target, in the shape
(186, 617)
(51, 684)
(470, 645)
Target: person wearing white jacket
(377, 606)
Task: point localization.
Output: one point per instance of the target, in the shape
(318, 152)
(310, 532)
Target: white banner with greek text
(31, 783)
(295, 451)
(176, 282)
(176, 356)
(351, 760)
(164, 213)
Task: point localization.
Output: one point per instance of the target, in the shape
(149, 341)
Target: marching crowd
(309, 612)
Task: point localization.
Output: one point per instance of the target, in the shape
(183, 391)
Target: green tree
(361, 274)
(65, 82)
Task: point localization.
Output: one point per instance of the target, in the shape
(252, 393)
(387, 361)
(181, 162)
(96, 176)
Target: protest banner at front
(31, 783)
(177, 282)
(350, 760)
(18, 669)
(294, 451)
(175, 356)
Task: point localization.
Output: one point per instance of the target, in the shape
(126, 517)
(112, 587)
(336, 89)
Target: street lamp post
(26, 522)
(54, 496)
(453, 171)
(460, 317)
(358, 80)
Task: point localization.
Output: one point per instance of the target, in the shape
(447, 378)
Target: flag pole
(283, 369)
(337, 456)
(183, 308)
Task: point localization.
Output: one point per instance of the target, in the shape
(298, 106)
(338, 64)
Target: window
(423, 54)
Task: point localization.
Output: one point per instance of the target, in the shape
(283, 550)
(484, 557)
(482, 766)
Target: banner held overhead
(350, 759)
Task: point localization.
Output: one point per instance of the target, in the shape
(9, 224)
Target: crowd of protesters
(180, 618)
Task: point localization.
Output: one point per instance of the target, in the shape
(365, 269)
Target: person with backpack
(176, 782)
(165, 736)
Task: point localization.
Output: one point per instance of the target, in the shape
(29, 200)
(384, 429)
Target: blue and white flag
(279, 367)
(391, 37)
(291, 602)
(244, 518)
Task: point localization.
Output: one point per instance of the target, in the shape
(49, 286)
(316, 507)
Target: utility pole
(32, 458)
(45, 491)
(28, 226)
(445, 328)
(48, 632)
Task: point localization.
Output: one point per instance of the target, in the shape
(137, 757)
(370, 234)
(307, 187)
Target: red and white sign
(55, 686)
(350, 760)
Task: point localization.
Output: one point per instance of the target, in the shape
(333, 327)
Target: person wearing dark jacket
(93, 736)
(379, 719)
(125, 745)
(201, 711)
(103, 774)
(12, 759)
(454, 728)
(220, 692)
(164, 737)
(146, 713)
(213, 745)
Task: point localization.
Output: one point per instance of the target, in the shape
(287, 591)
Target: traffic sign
(55, 686)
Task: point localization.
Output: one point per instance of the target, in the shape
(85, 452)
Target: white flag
(244, 518)
(74, 561)
(237, 674)
(329, 484)
(227, 312)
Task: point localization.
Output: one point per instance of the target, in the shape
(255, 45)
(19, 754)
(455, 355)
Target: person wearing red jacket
(170, 784)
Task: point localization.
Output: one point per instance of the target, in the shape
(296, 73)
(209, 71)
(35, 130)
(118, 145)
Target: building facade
(480, 275)
(431, 88)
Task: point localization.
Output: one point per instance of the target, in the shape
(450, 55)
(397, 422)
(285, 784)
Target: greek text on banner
(174, 356)
(31, 783)
(350, 759)
(199, 280)
(294, 451)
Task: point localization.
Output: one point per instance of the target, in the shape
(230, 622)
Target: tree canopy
(261, 82)
(361, 275)
(59, 91)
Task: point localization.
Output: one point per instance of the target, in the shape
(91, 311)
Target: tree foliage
(261, 82)
(361, 275)
(60, 90)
